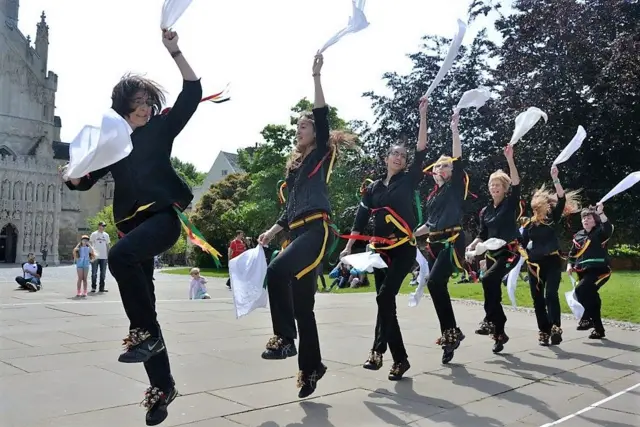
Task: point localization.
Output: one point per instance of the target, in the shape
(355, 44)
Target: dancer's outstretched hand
(508, 152)
(170, 40)
(455, 120)
(62, 170)
(599, 208)
(317, 64)
(265, 238)
(554, 172)
(344, 253)
(424, 106)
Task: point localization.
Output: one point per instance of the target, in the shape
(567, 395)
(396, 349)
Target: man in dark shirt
(499, 221)
(147, 189)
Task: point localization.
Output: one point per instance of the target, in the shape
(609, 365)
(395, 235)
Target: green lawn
(620, 296)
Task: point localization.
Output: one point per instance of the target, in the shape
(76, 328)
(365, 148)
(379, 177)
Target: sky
(264, 49)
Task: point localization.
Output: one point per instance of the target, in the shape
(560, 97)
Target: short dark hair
(590, 211)
(125, 91)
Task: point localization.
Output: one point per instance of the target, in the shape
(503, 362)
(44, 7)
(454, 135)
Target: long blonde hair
(337, 138)
(543, 200)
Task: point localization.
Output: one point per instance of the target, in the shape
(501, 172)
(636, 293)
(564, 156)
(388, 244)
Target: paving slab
(62, 353)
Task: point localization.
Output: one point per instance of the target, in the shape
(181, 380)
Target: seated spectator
(31, 274)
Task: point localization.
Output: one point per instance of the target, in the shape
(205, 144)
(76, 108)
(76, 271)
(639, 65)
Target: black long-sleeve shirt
(543, 235)
(398, 195)
(445, 206)
(308, 195)
(589, 249)
(501, 222)
(146, 174)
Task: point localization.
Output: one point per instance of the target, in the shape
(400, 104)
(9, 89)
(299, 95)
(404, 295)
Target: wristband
(316, 74)
(556, 181)
(176, 54)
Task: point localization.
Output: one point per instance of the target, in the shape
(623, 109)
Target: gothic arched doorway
(8, 243)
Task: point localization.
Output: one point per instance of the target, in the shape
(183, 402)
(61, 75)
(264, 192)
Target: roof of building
(233, 160)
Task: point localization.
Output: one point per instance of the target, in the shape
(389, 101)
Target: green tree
(579, 61)
(188, 172)
(397, 115)
(265, 165)
(105, 215)
(219, 213)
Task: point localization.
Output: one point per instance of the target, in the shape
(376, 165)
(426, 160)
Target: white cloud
(264, 48)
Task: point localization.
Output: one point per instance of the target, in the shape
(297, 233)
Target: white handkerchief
(512, 281)
(525, 121)
(172, 10)
(631, 180)
(95, 148)
(247, 272)
(365, 261)
(451, 56)
(423, 276)
(474, 98)
(357, 22)
(572, 147)
(572, 301)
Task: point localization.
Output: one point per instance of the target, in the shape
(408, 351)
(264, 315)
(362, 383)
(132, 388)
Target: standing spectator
(44, 255)
(100, 242)
(236, 247)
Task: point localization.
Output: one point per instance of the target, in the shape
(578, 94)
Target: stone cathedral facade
(37, 211)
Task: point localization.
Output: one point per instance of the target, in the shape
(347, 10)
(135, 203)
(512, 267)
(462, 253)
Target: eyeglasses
(400, 154)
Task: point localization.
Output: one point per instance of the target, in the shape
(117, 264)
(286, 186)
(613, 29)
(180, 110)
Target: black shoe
(93, 290)
(374, 362)
(556, 335)
(279, 348)
(596, 335)
(584, 325)
(486, 328)
(103, 291)
(140, 346)
(500, 341)
(543, 339)
(156, 401)
(450, 341)
(307, 382)
(398, 369)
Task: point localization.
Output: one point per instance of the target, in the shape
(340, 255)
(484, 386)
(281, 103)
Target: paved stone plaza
(58, 366)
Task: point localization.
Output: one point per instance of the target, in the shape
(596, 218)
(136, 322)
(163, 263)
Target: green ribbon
(194, 230)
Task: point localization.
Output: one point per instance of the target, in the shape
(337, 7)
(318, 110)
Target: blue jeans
(102, 264)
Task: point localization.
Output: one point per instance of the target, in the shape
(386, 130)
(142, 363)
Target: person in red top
(236, 247)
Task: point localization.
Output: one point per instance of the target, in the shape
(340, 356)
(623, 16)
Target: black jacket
(146, 175)
(589, 249)
(398, 195)
(308, 193)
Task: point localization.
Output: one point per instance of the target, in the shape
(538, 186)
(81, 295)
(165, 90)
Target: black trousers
(544, 290)
(131, 264)
(587, 294)
(388, 281)
(291, 282)
(499, 263)
(441, 267)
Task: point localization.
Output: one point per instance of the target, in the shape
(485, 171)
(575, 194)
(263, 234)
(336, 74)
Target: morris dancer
(544, 261)
(147, 190)
(292, 275)
(445, 244)
(390, 199)
(498, 220)
(589, 258)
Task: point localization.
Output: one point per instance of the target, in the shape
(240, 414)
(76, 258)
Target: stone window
(4, 151)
